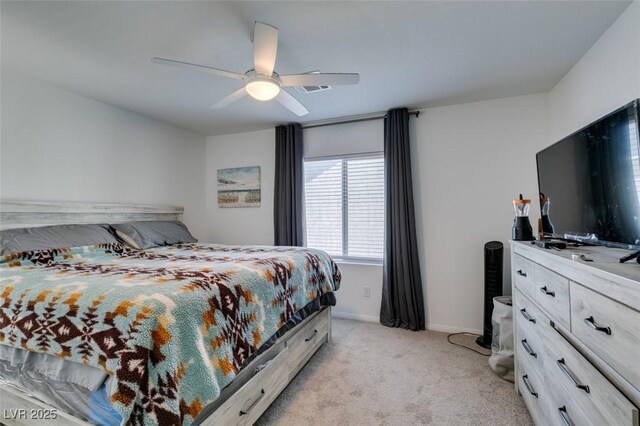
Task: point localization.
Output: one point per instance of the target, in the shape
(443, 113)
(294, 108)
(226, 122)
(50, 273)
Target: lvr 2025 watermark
(29, 414)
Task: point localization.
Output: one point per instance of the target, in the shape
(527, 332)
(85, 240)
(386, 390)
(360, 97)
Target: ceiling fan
(262, 82)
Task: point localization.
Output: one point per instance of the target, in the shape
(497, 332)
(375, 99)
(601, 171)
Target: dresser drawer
(562, 410)
(610, 329)
(523, 274)
(246, 405)
(533, 391)
(307, 340)
(579, 385)
(527, 314)
(529, 346)
(552, 294)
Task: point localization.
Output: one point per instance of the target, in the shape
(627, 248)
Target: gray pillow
(53, 237)
(144, 235)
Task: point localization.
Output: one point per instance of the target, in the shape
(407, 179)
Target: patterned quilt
(172, 325)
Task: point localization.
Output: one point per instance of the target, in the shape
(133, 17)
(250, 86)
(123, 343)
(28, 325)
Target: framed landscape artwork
(239, 187)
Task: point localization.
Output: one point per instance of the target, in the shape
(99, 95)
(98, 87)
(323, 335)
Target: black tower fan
(493, 252)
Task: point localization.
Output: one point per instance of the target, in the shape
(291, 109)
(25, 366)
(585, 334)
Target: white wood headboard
(25, 214)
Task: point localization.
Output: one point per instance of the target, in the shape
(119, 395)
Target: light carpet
(373, 375)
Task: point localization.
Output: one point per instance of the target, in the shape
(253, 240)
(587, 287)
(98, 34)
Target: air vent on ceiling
(312, 89)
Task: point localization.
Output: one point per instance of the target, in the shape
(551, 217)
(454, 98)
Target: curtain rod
(416, 113)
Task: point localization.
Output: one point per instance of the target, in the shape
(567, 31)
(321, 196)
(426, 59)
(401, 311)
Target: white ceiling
(407, 53)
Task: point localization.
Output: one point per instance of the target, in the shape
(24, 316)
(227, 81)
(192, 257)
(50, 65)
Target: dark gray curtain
(402, 302)
(287, 205)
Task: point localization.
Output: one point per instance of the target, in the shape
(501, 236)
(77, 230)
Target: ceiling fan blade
(265, 48)
(238, 94)
(291, 103)
(201, 68)
(317, 79)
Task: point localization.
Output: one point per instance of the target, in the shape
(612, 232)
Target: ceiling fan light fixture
(263, 89)
(262, 82)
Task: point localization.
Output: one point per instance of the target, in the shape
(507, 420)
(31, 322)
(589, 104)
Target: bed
(182, 334)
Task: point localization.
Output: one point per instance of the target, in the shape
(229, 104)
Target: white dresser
(577, 335)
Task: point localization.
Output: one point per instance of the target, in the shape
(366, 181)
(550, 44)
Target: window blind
(344, 206)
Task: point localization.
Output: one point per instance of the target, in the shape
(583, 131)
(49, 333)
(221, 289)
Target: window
(344, 206)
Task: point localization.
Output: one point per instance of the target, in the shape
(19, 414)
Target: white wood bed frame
(245, 406)
(25, 214)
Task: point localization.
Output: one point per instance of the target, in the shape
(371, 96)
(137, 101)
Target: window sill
(358, 262)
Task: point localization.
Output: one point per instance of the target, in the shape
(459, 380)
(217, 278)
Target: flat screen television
(589, 182)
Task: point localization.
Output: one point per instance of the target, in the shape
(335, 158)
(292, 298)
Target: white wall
(350, 301)
(248, 225)
(351, 138)
(469, 161)
(606, 78)
(60, 146)
(255, 225)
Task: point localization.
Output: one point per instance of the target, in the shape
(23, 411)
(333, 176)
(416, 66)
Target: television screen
(589, 182)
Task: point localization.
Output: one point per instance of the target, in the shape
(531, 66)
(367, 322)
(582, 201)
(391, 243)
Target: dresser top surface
(604, 259)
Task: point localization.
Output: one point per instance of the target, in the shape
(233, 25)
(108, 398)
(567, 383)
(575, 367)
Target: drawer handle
(592, 323)
(547, 292)
(565, 416)
(527, 348)
(522, 274)
(565, 370)
(253, 404)
(526, 315)
(312, 336)
(525, 379)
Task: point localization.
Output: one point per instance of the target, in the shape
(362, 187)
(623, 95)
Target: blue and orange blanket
(172, 325)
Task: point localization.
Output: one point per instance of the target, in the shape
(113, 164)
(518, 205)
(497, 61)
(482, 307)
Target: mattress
(171, 327)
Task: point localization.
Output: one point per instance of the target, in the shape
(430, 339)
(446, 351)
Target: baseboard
(430, 327)
(357, 317)
(452, 329)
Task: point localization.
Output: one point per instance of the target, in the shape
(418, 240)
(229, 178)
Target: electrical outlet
(366, 291)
